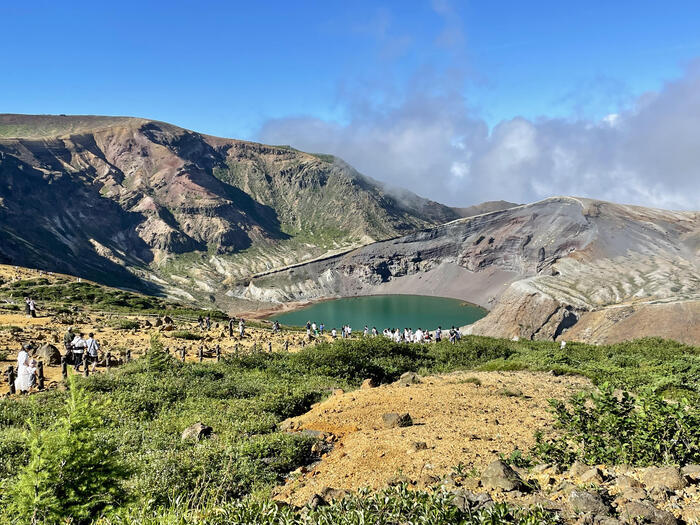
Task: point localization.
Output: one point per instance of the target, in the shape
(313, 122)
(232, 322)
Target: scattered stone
(499, 475)
(329, 494)
(159, 322)
(691, 473)
(586, 501)
(669, 477)
(691, 513)
(566, 487)
(168, 320)
(368, 383)
(316, 501)
(49, 354)
(408, 379)
(394, 420)
(416, 446)
(196, 432)
(147, 324)
(398, 479)
(645, 510)
(632, 494)
(577, 469)
(594, 476)
(626, 482)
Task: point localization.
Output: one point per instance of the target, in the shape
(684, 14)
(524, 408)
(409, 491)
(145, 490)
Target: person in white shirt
(92, 347)
(418, 337)
(334, 333)
(24, 380)
(78, 345)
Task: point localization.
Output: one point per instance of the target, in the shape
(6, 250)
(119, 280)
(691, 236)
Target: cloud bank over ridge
(432, 143)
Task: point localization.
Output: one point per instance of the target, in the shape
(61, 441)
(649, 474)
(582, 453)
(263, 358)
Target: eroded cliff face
(134, 202)
(539, 268)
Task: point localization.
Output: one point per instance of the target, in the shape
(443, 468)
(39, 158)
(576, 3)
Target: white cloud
(648, 154)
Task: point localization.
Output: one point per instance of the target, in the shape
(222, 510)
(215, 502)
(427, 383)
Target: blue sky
(240, 69)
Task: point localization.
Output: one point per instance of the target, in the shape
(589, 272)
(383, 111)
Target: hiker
(334, 333)
(92, 347)
(23, 382)
(207, 319)
(374, 331)
(32, 307)
(418, 336)
(200, 322)
(365, 332)
(26, 307)
(231, 320)
(438, 334)
(308, 328)
(241, 328)
(78, 344)
(67, 343)
(275, 327)
(321, 327)
(314, 328)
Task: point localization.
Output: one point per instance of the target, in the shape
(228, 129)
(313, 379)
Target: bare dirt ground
(463, 418)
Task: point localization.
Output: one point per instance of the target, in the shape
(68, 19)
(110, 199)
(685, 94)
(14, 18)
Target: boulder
(626, 482)
(330, 494)
(408, 379)
(589, 502)
(577, 469)
(691, 473)
(159, 322)
(499, 475)
(393, 420)
(168, 320)
(634, 510)
(691, 513)
(49, 354)
(594, 476)
(669, 477)
(368, 383)
(196, 432)
(147, 324)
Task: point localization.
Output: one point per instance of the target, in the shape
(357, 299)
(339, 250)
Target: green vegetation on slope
(150, 401)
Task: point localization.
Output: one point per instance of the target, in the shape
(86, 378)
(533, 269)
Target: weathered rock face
(98, 196)
(559, 267)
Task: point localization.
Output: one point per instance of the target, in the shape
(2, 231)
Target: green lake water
(386, 311)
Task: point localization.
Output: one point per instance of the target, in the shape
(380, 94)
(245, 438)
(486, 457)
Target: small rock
(586, 501)
(691, 473)
(594, 476)
(669, 477)
(626, 482)
(368, 383)
(168, 320)
(408, 379)
(159, 322)
(577, 469)
(398, 480)
(647, 511)
(330, 494)
(416, 446)
(196, 432)
(393, 420)
(691, 513)
(316, 501)
(499, 475)
(566, 487)
(633, 494)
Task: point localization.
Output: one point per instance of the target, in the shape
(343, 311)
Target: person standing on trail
(334, 333)
(207, 320)
(241, 328)
(231, 320)
(24, 381)
(26, 307)
(200, 322)
(32, 307)
(92, 347)
(308, 328)
(78, 345)
(438, 334)
(314, 328)
(321, 328)
(275, 327)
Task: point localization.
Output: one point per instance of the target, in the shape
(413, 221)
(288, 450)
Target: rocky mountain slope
(145, 204)
(560, 268)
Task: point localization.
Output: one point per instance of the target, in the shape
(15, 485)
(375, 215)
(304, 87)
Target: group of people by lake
(407, 335)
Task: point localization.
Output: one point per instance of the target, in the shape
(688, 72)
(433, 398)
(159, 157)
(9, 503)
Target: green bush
(608, 428)
(71, 473)
(125, 324)
(386, 507)
(189, 336)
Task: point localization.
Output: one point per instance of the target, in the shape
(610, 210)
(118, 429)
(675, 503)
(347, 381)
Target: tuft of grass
(188, 336)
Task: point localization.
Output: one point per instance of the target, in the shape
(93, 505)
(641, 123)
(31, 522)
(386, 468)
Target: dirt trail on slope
(459, 420)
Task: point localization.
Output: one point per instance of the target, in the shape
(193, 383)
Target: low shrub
(188, 336)
(611, 428)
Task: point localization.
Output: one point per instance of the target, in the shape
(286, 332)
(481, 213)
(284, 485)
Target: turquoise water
(386, 311)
